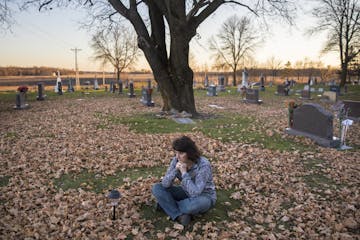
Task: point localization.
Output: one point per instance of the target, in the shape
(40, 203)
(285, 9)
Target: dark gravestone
(305, 94)
(149, 101)
(131, 90)
(60, 92)
(335, 88)
(282, 90)
(221, 83)
(353, 109)
(40, 95)
(211, 91)
(252, 96)
(262, 83)
(311, 120)
(120, 87)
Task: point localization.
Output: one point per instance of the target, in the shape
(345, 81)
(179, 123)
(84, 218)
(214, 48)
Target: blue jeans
(175, 202)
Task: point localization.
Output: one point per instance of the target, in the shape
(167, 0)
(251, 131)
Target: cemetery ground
(60, 158)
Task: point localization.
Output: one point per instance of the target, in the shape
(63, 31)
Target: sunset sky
(45, 39)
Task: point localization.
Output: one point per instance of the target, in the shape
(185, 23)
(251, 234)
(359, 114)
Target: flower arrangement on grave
(291, 106)
(23, 89)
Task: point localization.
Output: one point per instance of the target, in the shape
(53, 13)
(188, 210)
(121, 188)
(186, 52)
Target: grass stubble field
(60, 158)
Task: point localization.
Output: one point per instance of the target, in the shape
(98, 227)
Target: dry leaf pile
(305, 195)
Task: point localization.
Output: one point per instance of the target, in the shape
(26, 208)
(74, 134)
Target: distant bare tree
(117, 46)
(275, 65)
(341, 19)
(325, 73)
(235, 41)
(299, 66)
(287, 69)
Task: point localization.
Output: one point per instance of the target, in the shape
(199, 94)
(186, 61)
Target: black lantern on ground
(114, 197)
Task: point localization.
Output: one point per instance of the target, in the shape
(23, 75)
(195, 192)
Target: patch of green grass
(98, 183)
(219, 213)
(101, 126)
(319, 181)
(11, 135)
(4, 181)
(312, 164)
(148, 123)
(352, 94)
(227, 128)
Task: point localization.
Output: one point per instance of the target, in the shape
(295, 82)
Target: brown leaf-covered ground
(312, 194)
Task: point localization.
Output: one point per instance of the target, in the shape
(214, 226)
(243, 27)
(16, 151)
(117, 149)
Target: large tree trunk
(172, 73)
(343, 75)
(234, 78)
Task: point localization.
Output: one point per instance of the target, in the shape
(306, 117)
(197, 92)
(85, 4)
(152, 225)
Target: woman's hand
(181, 167)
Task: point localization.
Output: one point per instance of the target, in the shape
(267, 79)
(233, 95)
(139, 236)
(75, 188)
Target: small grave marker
(131, 90)
(211, 91)
(21, 101)
(353, 109)
(40, 96)
(252, 96)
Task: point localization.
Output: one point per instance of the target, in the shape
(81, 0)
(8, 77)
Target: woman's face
(182, 156)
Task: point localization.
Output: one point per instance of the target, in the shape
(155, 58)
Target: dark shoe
(184, 219)
(158, 208)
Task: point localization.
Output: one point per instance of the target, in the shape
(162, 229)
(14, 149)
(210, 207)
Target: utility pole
(76, 68)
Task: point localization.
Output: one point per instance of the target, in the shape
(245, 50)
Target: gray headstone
(245, 77)
(146, 97)
(221, 83)
(70, 86)
(21, 101)
(312, 121)
(211, 91)
(111, 86)
(96, 84)
(252, 96)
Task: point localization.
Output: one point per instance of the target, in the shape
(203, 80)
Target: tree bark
(234, 77)
(172, 73)
(343, 75)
